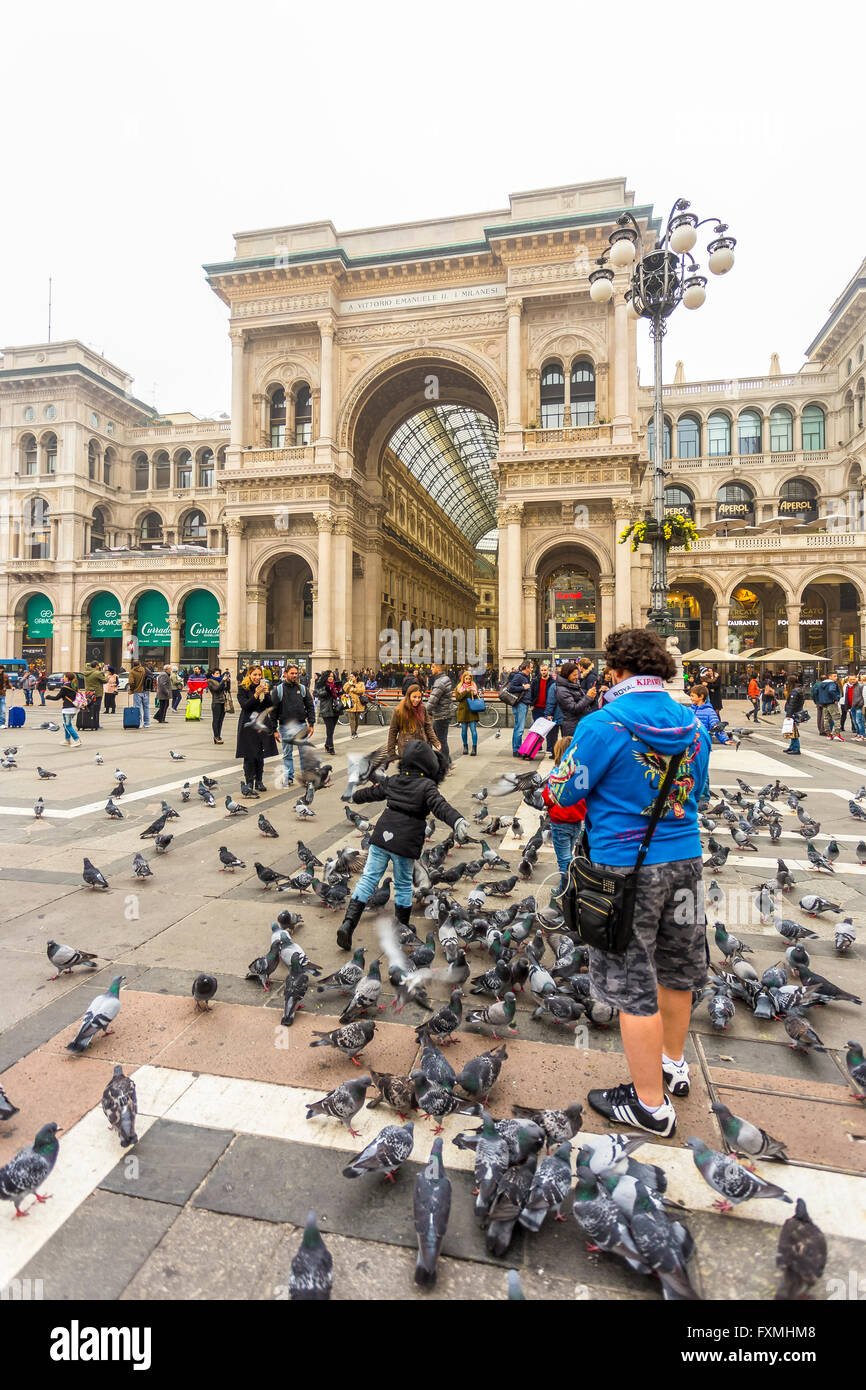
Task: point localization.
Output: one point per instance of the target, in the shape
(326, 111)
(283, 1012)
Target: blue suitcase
(16, 716)
(132, 717)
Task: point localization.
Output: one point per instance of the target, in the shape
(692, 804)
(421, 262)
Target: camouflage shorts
(669, 946)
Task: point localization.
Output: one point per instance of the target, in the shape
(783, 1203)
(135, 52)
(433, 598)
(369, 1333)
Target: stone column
(260, 415)
(792, 613)
(513, 309)
(341, 609)
(238, 437)
(326, 378)
(125, 637)
(78, 643)
(620, 366)
(323, 642)
(174, 639)
(510, 582)
(622, 510)
(237, 579)
(372, 602)
(607, 589)
(257, 600)
(723, 611)
(861, 614)
(530, 615)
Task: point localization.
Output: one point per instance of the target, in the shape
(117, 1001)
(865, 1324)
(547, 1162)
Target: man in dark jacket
(439, 705)
(793, 709)
(519, 684)
(826, 695)
(398, 836)
(294, 706)
(538, 692)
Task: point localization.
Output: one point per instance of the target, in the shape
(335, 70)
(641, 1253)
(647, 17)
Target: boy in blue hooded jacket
(619, 755)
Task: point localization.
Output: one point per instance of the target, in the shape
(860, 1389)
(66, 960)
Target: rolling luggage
(193, 708)
(530, 745)
(132, 717)
(16, 716)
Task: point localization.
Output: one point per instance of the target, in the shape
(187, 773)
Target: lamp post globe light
(661, 279)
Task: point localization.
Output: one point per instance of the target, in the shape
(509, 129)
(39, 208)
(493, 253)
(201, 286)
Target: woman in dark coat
(253, 745)
(572, 703)
(218, 684)
(713, 681)
(327, 692)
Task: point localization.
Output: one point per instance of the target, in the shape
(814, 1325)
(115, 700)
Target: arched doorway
(151, 631)
(288, 609)
(37, 638)
(757, 617)
(103, 639)
(200, 629)
(568, 603)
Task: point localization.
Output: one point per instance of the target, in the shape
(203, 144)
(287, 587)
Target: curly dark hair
(640, 651)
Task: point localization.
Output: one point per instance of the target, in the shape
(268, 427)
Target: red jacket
(569, 814)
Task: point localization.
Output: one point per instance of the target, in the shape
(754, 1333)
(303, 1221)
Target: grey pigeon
(7, 1109)
(39, 808)
(204, 987)
(44, 774)
(388, 1152)
(113, 812)
(296, 985)
(509, 1199)
(845, 936)
(185, 792)
(498, 1015)
(856, 1064)
(814, 905)
(267, 876)
(263, 967)
(229, 861)
(480, 1073)
(141, 868)
(437, 1100)
(65, 958)
(600, 1218)
(155, 827)
(312, 1270)
(49, 724)
(367, 994)
(162, 843)
(92, 876)
(550, 1187)
(121, 1107)
(724, 1175)
(792, 931)
(266, 828)
(435, 1065)
(347, 977)
(657, 1243)
(343, 1103)
(491, 1161)
(432, 1208)
(745, 1138)
(349, 1040)
(30, 1168)
(103, 1010)
(801, 1255)
(558, 1125)
(234, 808)
(176, 757)
(610, 1153)
(825, 990)
(206, 795)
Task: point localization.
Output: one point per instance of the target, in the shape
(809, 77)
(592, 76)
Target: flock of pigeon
(619, 1203)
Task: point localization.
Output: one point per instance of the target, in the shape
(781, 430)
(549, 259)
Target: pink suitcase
(530, 745)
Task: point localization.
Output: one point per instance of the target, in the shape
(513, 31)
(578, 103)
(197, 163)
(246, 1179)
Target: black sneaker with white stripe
(676, 1075)
(621, 1106)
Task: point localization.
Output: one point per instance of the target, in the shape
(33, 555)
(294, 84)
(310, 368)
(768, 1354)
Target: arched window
(29, 456)
(582, 393)
(799, 498)
(749, 432)
(38, 529)
(162, 470)
(812, 426)
(150, 533)
(183, 468)
(688, 437)
(206, 468)
(679, 499)
(552, 396)
(194, 530)
(141, 472)
(49, 448)
(650, 438)
(109, 459)
(861, 388)
(735, 501)
(781, 430)
(277, 417)
(92, 461)
(97, 530)
(849, 414)
(718, 434)
(303, 414)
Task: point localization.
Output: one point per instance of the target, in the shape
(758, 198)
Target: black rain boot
(354, 908)
(402, 915)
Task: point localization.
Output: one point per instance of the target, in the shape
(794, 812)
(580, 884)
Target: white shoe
(676, 1077)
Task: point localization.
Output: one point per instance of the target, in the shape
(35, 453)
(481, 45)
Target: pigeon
(438, 1100)
(657, 1243)
(140, 867)
(229, 861)
(792, 931)
(155, 827)
(30, 1168)
(801, 1256)
(162, 843)
(65, 958)
(303, 811)
(379, 897)
(396, 1091)
(343, 1103)
(350, 1040)
(8, 763)
(501, 887)
(856, 1065)
(729, 945)
(176, 757)
(745, 1138)
(435, 1065)
(347, 977)
(39, 808)
(266, 828)
(825, 989)
(209, 782)
(860, 851)
(491, 1162)
(367, 994)
(307, 858)
(558, 1125)
(832, 851)
(99, 760)
(185, 792)
(432, 1208)
(44, 775)
(388, 1152)
(119, 790)
(498, 1015)
(249, 792)
(113, 812)
(290, 950)
(234, 808)
(774, 977)
(819, 861)
(445, 1023)
(718, 859)
(263, 967)
(298, 883)
(724, 1175)
(7, 1109)
(856, 811)
(204, 987)
(49, 724)
(550, 1187)
(815, 906)
(206, 795)
(720, 1007)
(509, 1199)
(361, 769)
(312, 1271)
(92, 877)
(480, 1073)
(121, 1107)
(267, 877)
(103, 1010)
(599, 1217)
(803, 1036)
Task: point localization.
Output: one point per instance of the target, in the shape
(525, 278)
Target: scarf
(634, 685)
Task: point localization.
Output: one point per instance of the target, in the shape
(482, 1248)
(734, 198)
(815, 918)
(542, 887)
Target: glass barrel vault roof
(448, 449)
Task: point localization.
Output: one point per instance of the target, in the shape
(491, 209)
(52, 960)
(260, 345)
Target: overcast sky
(139, 138)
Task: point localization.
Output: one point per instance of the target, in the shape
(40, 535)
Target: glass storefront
(686, 614)
(153, 636)
(39, 631)
(571, 609)
(104, 631)
(745, 620)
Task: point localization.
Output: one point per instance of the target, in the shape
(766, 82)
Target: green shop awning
(40, 617)
(104, 615)
(152, 614)
(201, 620)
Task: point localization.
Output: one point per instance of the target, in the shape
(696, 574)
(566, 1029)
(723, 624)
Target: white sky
(138, 138)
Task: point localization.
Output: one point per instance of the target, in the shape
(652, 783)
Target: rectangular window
(30, 465)
(552, 415)
(51, 464)
(781, 436)
(303, 432)
(583, 413)
(184, 477)
(278, 436)
(206, 477)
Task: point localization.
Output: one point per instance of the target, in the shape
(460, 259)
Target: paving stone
(42, 1027)
(205, 1255)
(737, 1263)
(45, 1089)
(171, 1162)
(146, 1024)
(813, 1131)
(722, 1050)
(802, 1086)
(99, 1249)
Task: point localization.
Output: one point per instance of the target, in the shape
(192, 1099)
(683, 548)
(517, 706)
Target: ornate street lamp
(661, 279)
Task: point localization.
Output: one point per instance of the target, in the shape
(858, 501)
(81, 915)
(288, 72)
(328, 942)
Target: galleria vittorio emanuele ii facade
(431, 424)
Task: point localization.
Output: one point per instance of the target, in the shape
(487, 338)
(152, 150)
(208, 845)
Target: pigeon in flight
(30, 1168)
(204, 987)
(65, 958)
(103, 1010)
(92, 877)
(120, 1105)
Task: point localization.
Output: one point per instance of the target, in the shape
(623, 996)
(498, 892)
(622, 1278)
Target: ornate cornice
(324, 521)
(510, 513)
(234, 525)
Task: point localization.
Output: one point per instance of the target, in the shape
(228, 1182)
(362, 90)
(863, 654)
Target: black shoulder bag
(599, 906)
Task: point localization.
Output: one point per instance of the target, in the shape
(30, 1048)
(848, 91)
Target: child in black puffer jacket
(398, 837)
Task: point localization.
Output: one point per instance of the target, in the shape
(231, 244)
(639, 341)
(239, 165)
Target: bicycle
(372, 713)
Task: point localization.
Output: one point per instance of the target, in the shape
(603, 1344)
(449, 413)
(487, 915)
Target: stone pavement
(210, 1202)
